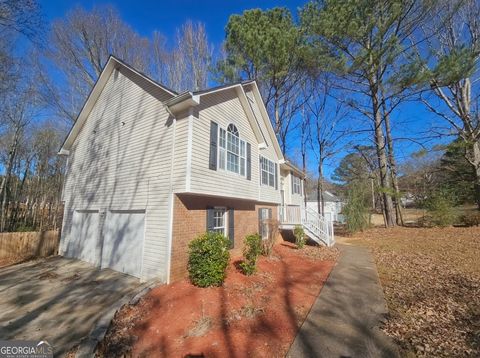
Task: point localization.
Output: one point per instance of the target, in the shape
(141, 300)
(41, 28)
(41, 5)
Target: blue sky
(165, 16)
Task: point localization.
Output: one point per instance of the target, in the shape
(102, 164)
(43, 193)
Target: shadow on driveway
(57, 299)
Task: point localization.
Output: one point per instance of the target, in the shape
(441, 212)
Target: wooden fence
(29, 244)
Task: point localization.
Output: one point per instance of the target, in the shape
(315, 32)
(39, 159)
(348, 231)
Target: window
(297, 186)
(267, 169)
(264, 214)
(219, 220)
(232, 151)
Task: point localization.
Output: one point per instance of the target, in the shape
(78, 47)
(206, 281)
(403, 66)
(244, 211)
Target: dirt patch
(258, 315)
(8, 261)
(49, 275)
(431, 280)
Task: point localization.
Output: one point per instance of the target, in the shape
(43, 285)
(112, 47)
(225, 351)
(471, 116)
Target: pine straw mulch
(248, 316)
(431, 280)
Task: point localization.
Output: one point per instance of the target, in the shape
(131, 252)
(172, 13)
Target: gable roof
(265, 116)
(327, 196)
(221, 87)
(193, 98)
(178, 101)
(112, 64)
(287, 165)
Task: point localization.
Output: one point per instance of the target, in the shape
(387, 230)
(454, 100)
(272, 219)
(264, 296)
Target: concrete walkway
(344, 320)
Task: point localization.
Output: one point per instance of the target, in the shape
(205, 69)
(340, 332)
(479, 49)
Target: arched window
(232, 129)
(232, 153)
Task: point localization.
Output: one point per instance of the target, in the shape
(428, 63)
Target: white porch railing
(315, 225)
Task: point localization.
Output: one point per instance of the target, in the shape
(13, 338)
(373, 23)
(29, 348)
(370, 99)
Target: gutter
(182, 101)
(292, 167)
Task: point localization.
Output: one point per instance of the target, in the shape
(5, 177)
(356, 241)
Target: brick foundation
(190, 220)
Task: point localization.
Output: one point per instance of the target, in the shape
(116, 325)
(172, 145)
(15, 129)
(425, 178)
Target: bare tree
(195, 52)
(19, 110)
(328, 129)
(18, 18)
(79, 46)
(21, 17)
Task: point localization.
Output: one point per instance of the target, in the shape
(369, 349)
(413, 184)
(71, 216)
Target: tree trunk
(373, 194)
(304, 156)
(392, 164)
(320, 197)
(476, 166)
(6, 179)
(382, 158)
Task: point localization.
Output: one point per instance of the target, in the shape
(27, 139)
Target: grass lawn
(431, 280)
(249, 316)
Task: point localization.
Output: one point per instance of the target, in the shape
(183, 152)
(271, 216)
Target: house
(333, 206)
(148, 169)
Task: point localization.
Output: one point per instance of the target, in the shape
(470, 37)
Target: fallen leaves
(431, 280)
(321, 253)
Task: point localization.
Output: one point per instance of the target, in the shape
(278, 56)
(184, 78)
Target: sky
(165, 16)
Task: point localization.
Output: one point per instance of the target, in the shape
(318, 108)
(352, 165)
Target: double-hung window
(267, 168)
(219, 220)
(232, 151)
(297, 187)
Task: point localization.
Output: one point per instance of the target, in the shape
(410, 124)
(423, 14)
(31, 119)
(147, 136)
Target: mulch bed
(431, 280)
(255, 316)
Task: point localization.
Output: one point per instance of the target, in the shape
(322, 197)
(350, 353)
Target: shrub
(300, 238)
(251, 251)
(208, 259)
(355, 211)
(470, 219)
(439, 206)
(425, 221)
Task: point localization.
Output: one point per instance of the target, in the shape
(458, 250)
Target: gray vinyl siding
(223, 108)
(290, 197)
(121, 160)
(179, 166)
(266, 193)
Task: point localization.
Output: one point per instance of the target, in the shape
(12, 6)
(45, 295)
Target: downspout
(188, 173)
(170, 200)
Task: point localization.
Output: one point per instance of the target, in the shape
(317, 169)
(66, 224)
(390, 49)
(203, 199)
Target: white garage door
(123, 241)
(83, 240)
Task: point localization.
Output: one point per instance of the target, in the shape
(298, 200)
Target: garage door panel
(123, 241)
(84, 236)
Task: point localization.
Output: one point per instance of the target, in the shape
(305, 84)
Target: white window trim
(261, 210)
(241, 158)
(224, 211)
(268, 173)
(297, 182)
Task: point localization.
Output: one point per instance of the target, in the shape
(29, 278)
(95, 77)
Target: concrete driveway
(57, 299)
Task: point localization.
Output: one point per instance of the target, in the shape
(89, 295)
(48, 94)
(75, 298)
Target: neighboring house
(149, 169)
(333, 206)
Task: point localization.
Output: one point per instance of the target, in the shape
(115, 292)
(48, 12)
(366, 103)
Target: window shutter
(231, 227)
(210, 223)
(260, 169)
(276, 176)
(293, 187)
(249, 161)
(260, 222)
(269, 213)
(213, 145)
